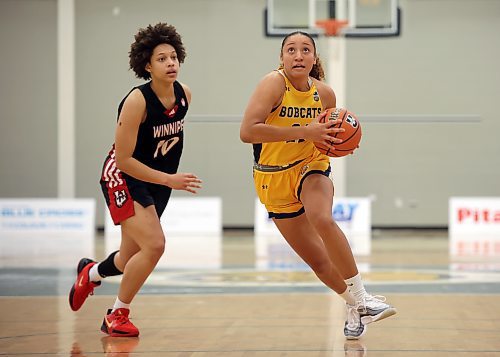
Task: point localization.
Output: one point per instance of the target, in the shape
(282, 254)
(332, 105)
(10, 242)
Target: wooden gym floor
(445, 307)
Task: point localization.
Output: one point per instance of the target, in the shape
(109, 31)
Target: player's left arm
(187, 90)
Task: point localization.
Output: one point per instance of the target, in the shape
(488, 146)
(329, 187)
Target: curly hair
(146, 41)
(317, 69)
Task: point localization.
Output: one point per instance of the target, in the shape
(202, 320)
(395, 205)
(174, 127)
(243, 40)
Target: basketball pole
(66, 99)
(336, 78)
(65, 144)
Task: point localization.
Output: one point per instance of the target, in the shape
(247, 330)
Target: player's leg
(304, 240)
(145, 231)
(317, 198)
(90, 273)
(128, 248)
(143, 244)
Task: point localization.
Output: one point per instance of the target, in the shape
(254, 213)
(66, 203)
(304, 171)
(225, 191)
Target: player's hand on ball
(321, 117)
(185, 182)
(323, 133)
(347, 128)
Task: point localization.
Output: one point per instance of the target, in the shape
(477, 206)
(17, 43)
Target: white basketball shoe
(374, 308)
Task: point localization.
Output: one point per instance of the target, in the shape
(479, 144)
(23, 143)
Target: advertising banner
(474, 226)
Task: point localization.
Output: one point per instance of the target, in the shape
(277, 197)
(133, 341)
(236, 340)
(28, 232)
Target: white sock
(94, 274)
(356, 287)
(120, 305)
(348, 297)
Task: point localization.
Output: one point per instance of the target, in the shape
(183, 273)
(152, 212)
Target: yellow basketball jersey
(296, 109)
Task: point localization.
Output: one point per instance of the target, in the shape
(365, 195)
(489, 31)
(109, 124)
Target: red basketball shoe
(117, 324)
(82, 287)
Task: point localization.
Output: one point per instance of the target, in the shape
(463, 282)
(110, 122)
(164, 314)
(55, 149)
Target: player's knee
(321, 221)
(158, 248)
(155, 246)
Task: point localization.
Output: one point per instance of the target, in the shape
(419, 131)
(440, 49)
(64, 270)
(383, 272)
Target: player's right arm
(131, 116)
(268, 95)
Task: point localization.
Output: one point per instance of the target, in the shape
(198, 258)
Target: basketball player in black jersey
(140, 172)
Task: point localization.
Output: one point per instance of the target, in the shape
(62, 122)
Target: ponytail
(317, 71)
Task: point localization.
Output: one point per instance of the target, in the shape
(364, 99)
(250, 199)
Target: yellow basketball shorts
(280, 190)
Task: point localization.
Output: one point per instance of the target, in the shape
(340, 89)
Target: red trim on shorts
(121, 205)
(110, 173)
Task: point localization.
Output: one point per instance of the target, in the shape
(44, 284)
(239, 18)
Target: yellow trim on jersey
(296, 109)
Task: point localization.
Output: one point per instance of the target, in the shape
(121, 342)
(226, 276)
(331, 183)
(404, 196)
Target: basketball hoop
(331, 26)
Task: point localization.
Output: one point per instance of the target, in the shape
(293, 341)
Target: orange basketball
(351, 136)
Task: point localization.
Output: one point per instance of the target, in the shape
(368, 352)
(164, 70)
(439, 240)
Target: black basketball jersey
(161, 136)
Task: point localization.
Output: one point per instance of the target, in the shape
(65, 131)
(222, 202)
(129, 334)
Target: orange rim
(331, 26)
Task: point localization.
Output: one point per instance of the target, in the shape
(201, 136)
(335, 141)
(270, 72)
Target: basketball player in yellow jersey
(292, 177)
